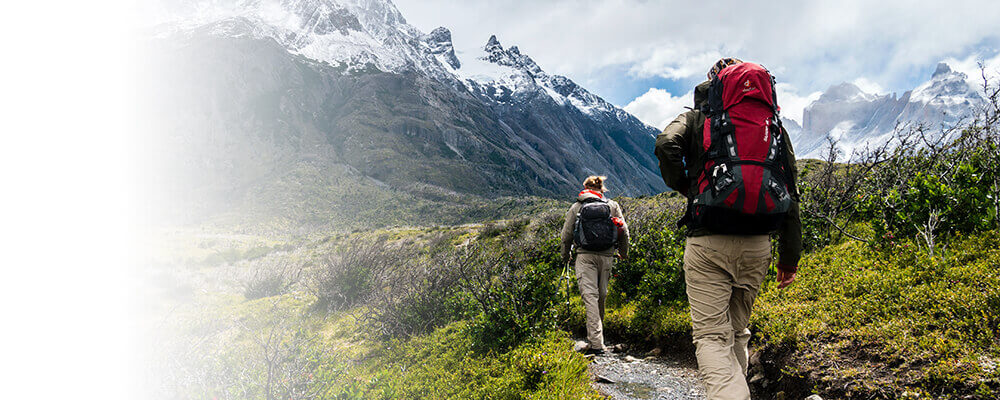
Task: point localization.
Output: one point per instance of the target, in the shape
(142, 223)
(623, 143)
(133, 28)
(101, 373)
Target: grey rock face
(439, 43)
(856, 119)
(241, 102)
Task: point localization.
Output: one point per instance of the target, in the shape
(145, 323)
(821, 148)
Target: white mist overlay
(67, 201)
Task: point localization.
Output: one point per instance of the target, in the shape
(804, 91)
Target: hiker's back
(594, 229)
(743, 186)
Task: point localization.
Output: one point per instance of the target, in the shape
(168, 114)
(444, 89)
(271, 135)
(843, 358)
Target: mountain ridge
(243, 101)
(856, 119)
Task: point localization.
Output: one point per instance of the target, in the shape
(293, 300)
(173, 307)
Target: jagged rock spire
(942, 68)
(439, 42)
(493, 44)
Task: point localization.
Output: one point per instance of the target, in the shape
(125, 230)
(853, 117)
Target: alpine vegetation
(351, 208)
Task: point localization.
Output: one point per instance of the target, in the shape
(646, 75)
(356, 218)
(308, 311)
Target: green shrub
(515, 288)
(346, 278)
(959, 202)
(934, 318)
(270, 277)
(654, 269)
(446, 365)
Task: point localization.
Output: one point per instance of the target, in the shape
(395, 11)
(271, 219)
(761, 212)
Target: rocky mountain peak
(857, 119)
(947, 88)
(439, 43)
(942, 68)
(493, 45)
(496, 112)
(512, 57)
(842, 92)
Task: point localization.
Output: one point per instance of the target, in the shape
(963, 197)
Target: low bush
(514, 286)
(346, 276)
(270, 277)
(895, 319)
(417, 295)
(446, 365)
(654, 269)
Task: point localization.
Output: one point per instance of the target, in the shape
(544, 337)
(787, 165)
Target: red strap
(593, 192)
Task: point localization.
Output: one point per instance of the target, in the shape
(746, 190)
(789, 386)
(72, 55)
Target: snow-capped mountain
(356, 32)
(506, 74)
(361, 34)
(856, 119)
(248, 90)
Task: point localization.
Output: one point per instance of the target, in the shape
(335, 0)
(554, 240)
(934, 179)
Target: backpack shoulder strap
(786, 161)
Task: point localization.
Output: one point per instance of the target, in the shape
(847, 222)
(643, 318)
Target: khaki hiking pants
(723, 275)
(592, 274)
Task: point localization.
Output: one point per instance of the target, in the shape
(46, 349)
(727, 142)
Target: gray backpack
(594, 230)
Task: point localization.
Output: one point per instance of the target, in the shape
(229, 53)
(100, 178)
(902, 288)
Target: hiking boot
(618, 348)
(596, 352)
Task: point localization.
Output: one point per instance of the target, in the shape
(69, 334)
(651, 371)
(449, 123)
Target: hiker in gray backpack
(596, 228)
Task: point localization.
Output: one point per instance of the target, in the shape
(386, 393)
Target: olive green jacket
(679, 150)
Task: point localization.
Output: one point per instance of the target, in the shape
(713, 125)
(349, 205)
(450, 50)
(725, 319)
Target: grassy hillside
(893, 321)
(898, 294)
(860, 321)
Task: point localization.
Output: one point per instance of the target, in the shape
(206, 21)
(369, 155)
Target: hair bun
(595, 182)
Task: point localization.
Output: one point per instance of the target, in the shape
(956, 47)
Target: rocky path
(627, 377)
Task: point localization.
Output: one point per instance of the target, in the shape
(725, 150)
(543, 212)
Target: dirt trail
(635, 377)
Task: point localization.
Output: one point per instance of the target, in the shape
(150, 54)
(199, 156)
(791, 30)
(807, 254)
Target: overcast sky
(647, 55)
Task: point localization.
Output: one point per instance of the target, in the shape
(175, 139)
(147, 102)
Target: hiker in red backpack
(596, 228)
(733, 161)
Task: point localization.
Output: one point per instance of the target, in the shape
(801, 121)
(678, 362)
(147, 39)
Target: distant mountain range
(245, 93)
(856, 119)
(317, 110)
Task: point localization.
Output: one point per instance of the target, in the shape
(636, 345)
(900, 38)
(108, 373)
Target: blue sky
(647, 55)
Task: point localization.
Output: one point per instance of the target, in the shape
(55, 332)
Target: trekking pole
(567, 275)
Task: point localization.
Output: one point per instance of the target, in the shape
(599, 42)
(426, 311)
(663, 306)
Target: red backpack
(745, 187)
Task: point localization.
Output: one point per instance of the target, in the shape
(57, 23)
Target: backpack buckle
(715, 171)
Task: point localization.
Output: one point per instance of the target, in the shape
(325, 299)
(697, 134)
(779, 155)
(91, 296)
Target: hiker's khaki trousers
(592, 274)
(723, 274)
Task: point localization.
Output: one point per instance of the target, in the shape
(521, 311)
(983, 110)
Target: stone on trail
(814, 397)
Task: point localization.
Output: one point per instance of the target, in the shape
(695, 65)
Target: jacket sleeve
(623, 244)
(671, 145)
(566, 236)
(790, 231)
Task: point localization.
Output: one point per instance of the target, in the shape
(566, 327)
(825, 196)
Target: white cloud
(792, 103)
(868, 86)
(970, 66)
(664, 63)
(809, 44)
(657, 107)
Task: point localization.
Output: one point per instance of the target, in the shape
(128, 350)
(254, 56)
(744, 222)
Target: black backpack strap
(786, 163)
(720, 124)
(714, 104)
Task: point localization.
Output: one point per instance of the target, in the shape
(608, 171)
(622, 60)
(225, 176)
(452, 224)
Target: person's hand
(785, 278)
